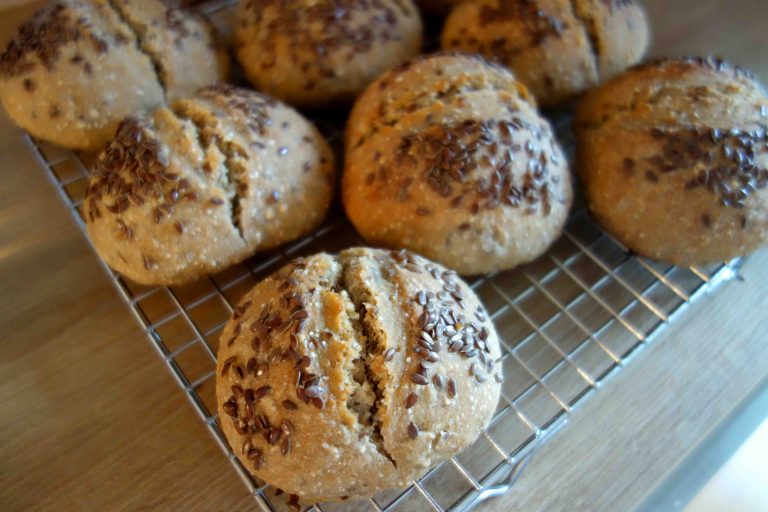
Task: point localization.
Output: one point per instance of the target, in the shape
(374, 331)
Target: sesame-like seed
(285, 448)
(273, 435)
(230, 408)
(411, 400)
(451, 387)
(419, 379)
(413, 430)
(438, 380)
(227, 363)
(389, 354)
(262, 392)
(254, 453)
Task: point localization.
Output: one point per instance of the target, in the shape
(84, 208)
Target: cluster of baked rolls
(343, 375)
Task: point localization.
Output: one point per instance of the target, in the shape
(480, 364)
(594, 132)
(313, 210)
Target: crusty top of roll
(342, 375)
(448, 157)
(674, 159)
(204, 182)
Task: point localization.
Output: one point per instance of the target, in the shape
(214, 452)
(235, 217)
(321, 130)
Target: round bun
(448, 157)
(341, 376)
(313, 53)
(558, 48)
(203, 184)
(673, 157)
(79, 67)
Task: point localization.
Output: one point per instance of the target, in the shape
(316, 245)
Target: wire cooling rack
(567, 322)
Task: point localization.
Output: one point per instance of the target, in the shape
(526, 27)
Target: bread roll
(205, 183)
(79, 67)
(558, 48)
(448, 157)
(673, 156)
(314, 53)
(344, 375)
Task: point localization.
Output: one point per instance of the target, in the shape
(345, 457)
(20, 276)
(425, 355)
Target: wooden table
(91, 420)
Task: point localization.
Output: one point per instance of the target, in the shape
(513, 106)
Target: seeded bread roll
(79, 67)
(673, 157)
(205, 183)
(448, 157)
(313, 53)
(558, 48)
(344, 375)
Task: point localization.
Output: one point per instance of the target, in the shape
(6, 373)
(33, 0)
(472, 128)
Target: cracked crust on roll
(557, 48)
(343, 375)
(204, 183)
(79, 67)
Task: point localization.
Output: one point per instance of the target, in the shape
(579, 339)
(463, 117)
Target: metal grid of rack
(567, 322)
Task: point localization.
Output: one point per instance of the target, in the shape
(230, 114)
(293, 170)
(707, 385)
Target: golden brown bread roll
(79, 67)
(314, 53)
(673, 156)
(204, 183)
(343, 375)
(558, 48)
(448, 157)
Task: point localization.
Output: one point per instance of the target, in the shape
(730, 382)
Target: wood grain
(91, 420)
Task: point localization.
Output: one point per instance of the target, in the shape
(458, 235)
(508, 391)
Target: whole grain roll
(314, 53)
(448, 157)
(558, 48)
(204, 183)
(673, 156)
(79, 67)
(344, 375)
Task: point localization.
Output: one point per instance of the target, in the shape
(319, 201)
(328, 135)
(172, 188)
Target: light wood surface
(91, 420)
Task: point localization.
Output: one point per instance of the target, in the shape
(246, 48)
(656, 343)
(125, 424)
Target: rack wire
(568, 322)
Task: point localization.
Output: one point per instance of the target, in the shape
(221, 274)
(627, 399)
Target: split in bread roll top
(204, 183)
(447, 157)
(557, 48)
(344, 375)
(673, 156)
(79, 67)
